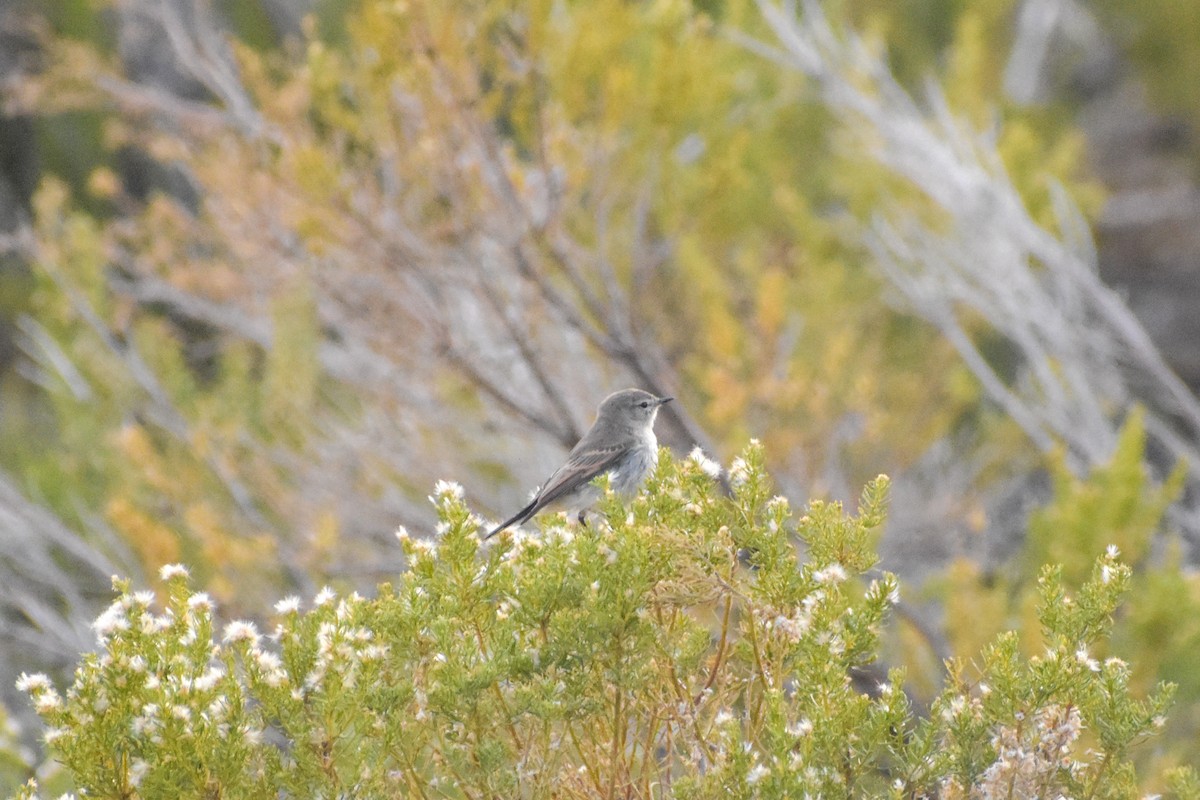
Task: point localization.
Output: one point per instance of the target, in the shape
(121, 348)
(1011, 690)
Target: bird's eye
(644, 404)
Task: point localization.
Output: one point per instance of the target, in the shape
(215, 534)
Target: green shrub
(686, 647)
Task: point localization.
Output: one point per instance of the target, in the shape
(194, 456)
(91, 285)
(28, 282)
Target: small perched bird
(621, 442)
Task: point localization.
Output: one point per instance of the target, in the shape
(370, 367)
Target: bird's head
(632, 407)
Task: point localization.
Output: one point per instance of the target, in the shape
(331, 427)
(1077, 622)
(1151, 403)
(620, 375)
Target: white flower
(374, 652)
(421, 700)
(200, 602)
(792, 627)
(446, 491)
(288, 605)
(112, 620)
(402, 534)
(218, 708)
(1112, 551)
(810, 602)
(709, 467)
(137, 770)
(802, 727)
(37, 682)
(739, 471)
(756, 774)
(241, 631)
(957, 706)
(834, 573)
(170, 571)
(143, 598)
(54, 734)
(560, 534)
(1081, 655)
(448, 488)
(208, 680)
(181, 713)
(266, 660)
(324, 597)
(47, 701)
(723, 717)
(422, 548)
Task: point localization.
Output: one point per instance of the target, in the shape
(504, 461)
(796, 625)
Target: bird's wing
(582, 465)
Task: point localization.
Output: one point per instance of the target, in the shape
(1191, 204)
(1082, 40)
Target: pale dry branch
(203, 51)
(51, 582)
(1083, 358)
(137, 99)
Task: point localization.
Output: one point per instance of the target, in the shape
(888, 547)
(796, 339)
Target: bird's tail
(516, 519)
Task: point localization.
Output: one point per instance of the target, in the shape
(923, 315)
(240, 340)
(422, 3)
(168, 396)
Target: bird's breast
(627, 478)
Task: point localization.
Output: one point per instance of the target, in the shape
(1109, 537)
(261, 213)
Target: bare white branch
(1083, 358)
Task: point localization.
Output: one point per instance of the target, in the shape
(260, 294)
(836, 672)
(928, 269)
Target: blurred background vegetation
(272, 268)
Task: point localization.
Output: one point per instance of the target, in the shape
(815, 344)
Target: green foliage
(1118, 504)
(1116, 509)
(1184, 783)
(639, 657)
(1058, 722)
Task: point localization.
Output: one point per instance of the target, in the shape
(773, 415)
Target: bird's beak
(662, 401)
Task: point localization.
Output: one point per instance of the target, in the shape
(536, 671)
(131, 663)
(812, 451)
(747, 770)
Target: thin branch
(204, 53)
(534, 363)
(135, 98)
(508, 401)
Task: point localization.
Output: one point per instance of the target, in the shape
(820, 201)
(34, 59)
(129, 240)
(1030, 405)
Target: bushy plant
(690, 644)
(1118, 504)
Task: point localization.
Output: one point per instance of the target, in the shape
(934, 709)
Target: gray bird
(621, 442)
